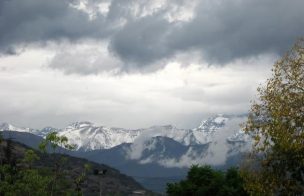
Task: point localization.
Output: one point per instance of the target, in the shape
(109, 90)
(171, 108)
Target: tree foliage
(19, 180)
(22, 176)
(55, 141)
(206, 181)
(22, 182)
(276, 122)
(30, 157)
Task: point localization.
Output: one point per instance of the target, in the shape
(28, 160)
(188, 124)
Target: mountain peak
(220, 119)
(213, 123)
(8, 127)
(4, 126)
(81, 124)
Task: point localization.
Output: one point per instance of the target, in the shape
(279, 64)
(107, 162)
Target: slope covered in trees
(25, 171)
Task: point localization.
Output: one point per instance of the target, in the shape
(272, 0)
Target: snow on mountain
(43, 132)
(213, 123)
(198, 136)
(8, 127)
(239, 136)
(211, 143)
(86, 136)
(184, 136)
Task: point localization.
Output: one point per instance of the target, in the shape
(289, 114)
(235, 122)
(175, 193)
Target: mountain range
(154, 152)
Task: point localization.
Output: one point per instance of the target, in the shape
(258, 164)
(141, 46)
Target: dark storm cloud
(221, 31)
(142, 41)
(36, 21)
(238, 29)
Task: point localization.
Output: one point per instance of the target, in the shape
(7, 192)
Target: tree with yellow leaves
(276, 123)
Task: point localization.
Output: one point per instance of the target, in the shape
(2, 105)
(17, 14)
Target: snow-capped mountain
(239, 136)
(46, 130)
(86, 136)
(213, 123)
(219, 137)
(8, 127)
(159, 151)
(213, 142)
(42, 132)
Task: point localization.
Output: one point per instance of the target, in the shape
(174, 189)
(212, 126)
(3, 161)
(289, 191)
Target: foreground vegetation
(276, 122)
(24, 171)
(21, 176)
(203, 180)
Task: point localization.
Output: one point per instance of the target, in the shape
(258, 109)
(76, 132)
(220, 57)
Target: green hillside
(25, 171)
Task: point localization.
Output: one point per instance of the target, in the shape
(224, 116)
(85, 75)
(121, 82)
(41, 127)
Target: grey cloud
(119, 9)
(36, 21)
(84, 61)
(221, 30)
(238, 29)
(142, 41)
(72, 63)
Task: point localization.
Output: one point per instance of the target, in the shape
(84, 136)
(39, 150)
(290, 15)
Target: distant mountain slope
(28, 139)
(147, 165)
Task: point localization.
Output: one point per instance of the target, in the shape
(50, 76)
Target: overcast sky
(138, 63)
